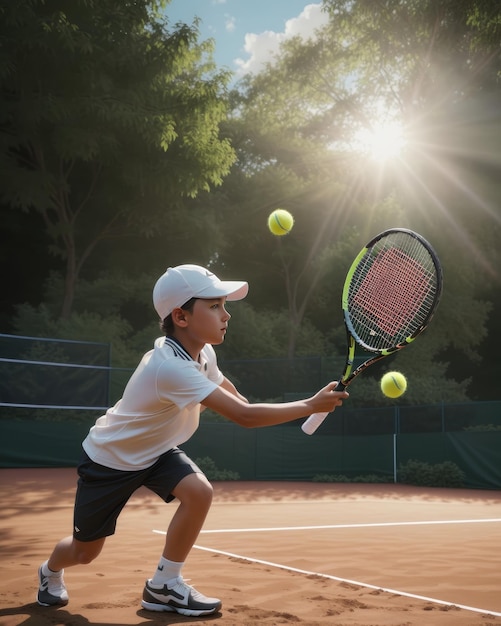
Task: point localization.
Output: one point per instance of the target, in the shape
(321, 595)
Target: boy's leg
(70, 551)
(167, 591)
(52, 590)
(194, 493)
(101, 494)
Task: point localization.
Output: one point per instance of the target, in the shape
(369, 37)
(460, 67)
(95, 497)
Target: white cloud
(229, 23)
(261, 48)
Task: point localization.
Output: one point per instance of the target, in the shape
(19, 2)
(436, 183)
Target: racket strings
(391, 294)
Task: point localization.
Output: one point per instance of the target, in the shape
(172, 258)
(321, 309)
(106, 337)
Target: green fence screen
(277, 453)
(52, 391)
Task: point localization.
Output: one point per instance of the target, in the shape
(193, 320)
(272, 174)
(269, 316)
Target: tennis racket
(390, 294)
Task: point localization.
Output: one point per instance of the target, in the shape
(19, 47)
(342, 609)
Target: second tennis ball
(280, 222)
(393, 384)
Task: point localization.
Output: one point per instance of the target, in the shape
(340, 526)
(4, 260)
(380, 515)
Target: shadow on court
(36, 615)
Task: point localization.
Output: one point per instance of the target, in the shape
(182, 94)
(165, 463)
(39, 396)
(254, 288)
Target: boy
(135, 442)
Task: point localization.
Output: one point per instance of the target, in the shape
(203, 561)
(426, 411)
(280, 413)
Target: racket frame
(352, 337)
(346, 287)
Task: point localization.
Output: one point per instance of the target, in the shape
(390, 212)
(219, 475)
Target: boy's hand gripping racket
(389, 296)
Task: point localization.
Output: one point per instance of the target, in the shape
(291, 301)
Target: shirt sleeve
(181, 383)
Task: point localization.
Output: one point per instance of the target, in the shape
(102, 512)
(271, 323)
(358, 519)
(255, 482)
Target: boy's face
(208, 321)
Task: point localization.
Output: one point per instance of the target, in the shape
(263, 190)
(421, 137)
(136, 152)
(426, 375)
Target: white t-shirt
(159, 410)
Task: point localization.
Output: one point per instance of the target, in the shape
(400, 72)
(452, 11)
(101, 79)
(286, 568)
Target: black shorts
(103, 492)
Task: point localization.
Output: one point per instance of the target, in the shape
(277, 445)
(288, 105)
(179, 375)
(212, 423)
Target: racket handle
(313, 422)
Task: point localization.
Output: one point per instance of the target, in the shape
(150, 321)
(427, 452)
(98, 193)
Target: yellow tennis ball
(280, 222)
(393, 384)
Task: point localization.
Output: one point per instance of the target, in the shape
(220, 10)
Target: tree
(108, 118)
(420, 62)
(286, 159)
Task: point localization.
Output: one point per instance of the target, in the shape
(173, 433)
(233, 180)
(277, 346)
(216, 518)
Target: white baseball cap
(180, 284)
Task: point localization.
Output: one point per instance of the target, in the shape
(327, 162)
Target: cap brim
(230, 289)
(242, 289)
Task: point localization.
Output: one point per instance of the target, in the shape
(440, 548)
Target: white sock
(46, 571)
(166, 570)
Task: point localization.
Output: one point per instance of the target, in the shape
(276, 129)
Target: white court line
(352, 582)
(333, 526)
(347, 580)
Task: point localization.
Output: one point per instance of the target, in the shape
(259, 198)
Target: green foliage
(456, 38)
(341, 478)
(264, 334)
(427, 376)
(210, 469)
(75, 416)
(294, 129)
(108, 117)
(446, 474)
(210, 416)
(38, 322)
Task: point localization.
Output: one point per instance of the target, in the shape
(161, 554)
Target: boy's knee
(195, 488)
(202, 488)
(84, 558)
(207, 491)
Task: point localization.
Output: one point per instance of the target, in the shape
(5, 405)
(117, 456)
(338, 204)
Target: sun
(383, 141)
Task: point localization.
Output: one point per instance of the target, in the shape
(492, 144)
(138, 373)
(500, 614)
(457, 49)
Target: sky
(246, 33)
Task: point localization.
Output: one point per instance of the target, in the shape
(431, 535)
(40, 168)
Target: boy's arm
(229, 386)
(226, 403)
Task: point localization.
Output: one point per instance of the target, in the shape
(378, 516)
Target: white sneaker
(51, 590)
(177, 596)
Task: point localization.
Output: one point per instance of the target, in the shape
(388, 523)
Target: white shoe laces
(181, 586)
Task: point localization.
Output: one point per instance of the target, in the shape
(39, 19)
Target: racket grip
(313, 422)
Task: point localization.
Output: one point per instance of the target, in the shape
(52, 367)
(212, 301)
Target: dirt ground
(275, 553)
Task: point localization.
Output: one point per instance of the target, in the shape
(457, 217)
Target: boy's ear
(179, 317)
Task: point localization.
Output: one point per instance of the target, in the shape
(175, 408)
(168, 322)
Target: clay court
(275, 553)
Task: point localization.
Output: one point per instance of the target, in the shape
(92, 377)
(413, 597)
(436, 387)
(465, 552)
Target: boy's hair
(167, 325)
